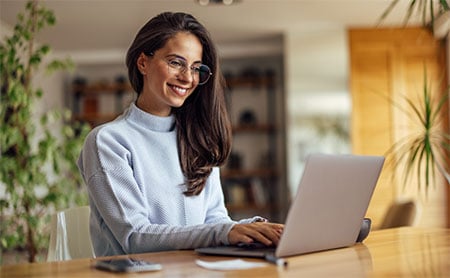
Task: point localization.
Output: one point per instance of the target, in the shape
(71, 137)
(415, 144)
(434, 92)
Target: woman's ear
(142, 63)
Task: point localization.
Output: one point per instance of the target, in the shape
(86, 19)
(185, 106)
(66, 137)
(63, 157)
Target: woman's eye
(175, 63)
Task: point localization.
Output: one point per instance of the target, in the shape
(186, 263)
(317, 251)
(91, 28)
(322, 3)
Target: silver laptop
(328, 210)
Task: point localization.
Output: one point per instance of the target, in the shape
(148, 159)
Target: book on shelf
(258, 192)
(235, 194)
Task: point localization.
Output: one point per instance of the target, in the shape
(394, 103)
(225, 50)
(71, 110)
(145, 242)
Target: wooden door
(389, 64)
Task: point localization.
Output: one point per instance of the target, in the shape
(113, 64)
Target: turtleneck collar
(150, 121)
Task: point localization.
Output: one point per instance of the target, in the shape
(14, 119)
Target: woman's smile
(179, 90)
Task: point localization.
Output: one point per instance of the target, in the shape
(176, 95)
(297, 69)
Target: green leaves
(421, 152)
(57, 65)
(38, 156)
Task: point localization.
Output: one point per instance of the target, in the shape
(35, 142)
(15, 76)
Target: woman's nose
(186, 75)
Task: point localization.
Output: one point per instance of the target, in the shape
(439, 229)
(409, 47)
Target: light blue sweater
(134, 180)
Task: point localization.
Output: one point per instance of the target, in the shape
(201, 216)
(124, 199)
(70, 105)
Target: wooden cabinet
(389, 64)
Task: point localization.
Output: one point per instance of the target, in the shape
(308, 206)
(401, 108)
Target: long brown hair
(203, 125)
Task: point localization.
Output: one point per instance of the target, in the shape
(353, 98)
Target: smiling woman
(165, 83)
(152, 174)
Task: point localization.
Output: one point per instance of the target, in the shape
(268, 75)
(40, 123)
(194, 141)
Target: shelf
(256, 81)
(248, 207)
(95, 117)
(112, 88)
(253, 128)
(245, 174)
(253, 190)
(87, 98)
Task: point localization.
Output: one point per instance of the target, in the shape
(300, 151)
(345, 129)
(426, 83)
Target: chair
(69, 237)
(400, 213)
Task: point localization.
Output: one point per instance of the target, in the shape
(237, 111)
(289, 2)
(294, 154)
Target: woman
(152, 174)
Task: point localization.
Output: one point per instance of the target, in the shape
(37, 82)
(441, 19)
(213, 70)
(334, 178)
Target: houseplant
(37, 162)
(421, 153)
(426, 148)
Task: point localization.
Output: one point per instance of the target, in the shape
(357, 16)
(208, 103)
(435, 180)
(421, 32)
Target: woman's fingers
(266, 233)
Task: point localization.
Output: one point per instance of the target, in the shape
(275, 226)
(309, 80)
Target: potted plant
(38, 173)
(427, 148)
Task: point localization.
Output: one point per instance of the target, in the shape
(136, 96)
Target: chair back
(400, 213)
(69, 237)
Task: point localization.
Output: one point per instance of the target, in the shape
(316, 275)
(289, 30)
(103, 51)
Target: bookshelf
(101, 101)
(253, 180)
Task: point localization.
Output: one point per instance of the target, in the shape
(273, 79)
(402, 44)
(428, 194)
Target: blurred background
(287, 64)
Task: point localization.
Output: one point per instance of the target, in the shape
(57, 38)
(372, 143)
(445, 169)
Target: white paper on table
(229, 264)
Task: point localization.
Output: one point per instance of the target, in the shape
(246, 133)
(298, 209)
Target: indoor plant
(420, 154)
(37, 162)
(427, 148)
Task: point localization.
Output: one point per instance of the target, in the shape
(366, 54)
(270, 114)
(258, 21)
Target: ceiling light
(220, 2)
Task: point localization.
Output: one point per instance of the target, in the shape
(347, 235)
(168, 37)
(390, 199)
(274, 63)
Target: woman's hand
(267, 233)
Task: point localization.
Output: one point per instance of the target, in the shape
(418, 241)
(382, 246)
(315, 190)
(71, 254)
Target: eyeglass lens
(200, 73)
(203, 74)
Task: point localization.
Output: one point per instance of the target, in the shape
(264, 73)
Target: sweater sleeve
(121, 210)
(128, 222)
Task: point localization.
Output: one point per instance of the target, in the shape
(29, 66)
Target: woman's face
(164, 86)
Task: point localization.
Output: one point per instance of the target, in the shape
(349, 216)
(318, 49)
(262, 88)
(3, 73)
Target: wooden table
(407, 252)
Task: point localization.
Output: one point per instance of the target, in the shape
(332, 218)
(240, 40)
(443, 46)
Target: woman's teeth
(179, 90)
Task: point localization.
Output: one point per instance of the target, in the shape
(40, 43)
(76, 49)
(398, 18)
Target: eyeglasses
(200, 72)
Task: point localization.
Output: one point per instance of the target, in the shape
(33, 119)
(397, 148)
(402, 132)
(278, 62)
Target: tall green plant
(420, 153)
(37, 163)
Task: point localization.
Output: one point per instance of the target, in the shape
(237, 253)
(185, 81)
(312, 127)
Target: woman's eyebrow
(182, 58)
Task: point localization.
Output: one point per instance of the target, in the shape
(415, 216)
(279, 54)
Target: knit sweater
(135, 184)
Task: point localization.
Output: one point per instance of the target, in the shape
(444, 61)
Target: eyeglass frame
(183, 67)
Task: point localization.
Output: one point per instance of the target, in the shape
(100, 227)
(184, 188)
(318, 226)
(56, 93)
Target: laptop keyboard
(254, 245)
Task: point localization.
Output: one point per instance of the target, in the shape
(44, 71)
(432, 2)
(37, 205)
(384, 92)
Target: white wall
(4, 30)
(316, 82)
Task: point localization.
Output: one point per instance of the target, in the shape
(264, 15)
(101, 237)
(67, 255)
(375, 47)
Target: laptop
(328, 209)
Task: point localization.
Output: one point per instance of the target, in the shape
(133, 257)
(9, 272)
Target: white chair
(70, 238)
